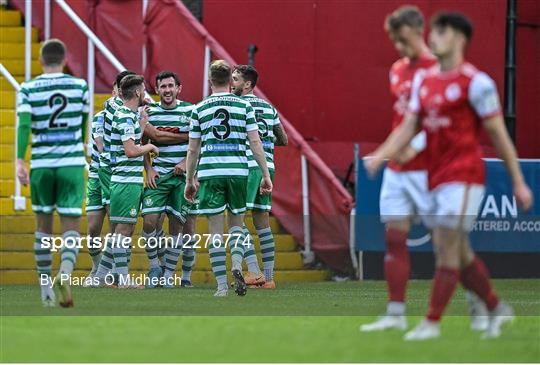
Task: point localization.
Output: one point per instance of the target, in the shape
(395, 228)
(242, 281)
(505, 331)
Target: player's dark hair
(53, 52)
(454, 20)
(405, 15)
(220, 73)
(165, 75)
(249, 73)
(121, 75)
(129, 85)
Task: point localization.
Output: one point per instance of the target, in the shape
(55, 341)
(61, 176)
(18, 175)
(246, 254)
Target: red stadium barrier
(122, 34)
(330, 203)
(175, 40)
(326, 62)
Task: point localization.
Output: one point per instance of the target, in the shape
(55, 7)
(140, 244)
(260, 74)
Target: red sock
(444, 284)
(396, 264)
(475, 278)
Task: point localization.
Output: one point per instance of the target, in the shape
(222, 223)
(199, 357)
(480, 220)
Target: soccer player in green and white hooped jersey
(105, 171)
(244, 80)
(95, 210)
(127, 160)
(165, 183)
(55, 107)
(220, 126)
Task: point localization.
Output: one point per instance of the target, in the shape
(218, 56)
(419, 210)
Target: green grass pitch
(297, 323)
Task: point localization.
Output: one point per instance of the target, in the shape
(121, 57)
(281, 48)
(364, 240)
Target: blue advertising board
(500, 227)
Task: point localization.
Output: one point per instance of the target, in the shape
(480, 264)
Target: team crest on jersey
(148, 202)
(452, 92)
(184, 119)
(133, 212)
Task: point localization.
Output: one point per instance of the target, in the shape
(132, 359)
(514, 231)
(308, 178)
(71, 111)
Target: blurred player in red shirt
(404, 191)
(452, 101)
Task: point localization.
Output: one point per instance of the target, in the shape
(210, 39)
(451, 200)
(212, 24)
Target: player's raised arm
(134, 150)
(128, 140)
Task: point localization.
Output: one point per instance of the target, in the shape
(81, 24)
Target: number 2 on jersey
(60, 109)
(217, 130)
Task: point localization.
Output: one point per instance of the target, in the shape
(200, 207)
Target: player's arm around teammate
(161, 136)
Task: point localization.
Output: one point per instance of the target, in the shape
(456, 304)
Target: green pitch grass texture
(315, 322)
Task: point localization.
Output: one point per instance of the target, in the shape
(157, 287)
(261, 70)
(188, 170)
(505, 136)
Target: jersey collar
(54, 74)
(220, 94)
(174, 107)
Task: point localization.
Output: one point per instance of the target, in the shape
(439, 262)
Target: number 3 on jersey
(53, 101)
(223, 130)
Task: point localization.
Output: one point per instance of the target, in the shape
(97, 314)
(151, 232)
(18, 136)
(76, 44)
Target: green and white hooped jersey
(97, 132)
(267, 117)
(125, 126)
(110, 107)
(177, 117)
(57, 102)
(222, 121)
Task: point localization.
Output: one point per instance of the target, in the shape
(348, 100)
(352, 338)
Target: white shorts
(455, 206)
(404, 194)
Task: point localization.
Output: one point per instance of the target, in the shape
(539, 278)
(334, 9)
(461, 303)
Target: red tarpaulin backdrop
(173, 44)
(117, 23)
(325, 63)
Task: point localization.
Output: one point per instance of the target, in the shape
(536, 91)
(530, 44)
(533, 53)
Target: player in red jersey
(404, 191)
(453, 101)
(404, 187)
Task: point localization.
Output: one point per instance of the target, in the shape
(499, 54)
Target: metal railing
(19, 201)
(93, 41)
(307, 253)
